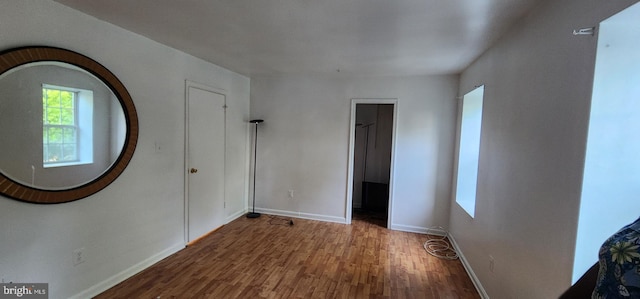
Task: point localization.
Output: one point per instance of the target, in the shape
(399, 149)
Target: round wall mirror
(68, 126)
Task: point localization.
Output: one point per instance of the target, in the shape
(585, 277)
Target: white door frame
(189, 84)
(352, 140)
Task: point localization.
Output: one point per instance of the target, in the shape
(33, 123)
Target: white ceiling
(363, 37)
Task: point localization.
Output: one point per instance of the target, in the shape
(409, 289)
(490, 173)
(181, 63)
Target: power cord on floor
(438, 245)
(275, 220)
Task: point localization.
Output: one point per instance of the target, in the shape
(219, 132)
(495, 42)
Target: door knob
(193, 170)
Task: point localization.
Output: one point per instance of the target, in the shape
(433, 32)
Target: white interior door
(205, 161)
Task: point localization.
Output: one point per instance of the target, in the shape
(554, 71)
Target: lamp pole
(253, 213)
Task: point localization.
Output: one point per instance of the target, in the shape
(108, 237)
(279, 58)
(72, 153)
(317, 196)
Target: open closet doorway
(372, 147)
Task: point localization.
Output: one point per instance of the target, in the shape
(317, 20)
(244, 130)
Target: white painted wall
(538, 81)
(304, 144)
(140, 217)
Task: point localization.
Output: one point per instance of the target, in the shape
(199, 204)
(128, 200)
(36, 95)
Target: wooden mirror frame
(12, 58)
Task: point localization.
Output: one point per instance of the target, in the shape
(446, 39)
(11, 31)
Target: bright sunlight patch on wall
(611, 181)
(469, 151)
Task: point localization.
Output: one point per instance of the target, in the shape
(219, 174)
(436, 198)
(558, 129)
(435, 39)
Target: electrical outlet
(492, 263)
(290, 193)
(78, 256)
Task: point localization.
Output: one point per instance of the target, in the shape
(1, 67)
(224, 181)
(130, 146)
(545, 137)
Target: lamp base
(253, 215)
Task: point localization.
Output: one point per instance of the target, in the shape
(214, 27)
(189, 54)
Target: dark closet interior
(372, 162)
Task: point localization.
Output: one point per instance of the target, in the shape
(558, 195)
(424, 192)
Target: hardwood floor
(268, 258)
(371, 217)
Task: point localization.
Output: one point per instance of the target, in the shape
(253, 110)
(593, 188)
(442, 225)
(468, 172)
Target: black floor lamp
(253, 213)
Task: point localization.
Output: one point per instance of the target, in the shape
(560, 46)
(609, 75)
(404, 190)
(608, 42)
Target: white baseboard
(120, 277)
(467, 267)
(235, 215)
(418, 229)
(309, 216)
(408, 228)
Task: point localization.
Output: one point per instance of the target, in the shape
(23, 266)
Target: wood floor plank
(267, 258)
